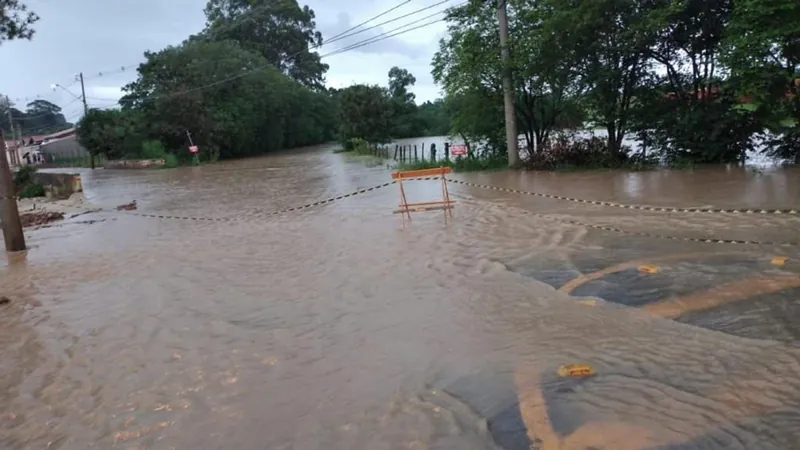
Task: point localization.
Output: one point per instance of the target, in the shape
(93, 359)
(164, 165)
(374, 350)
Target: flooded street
(332, 328)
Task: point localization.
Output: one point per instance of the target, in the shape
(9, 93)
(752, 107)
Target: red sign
(193, 149)
(458, 150)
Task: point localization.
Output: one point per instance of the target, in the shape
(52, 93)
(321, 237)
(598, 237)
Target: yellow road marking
(648, 269)
(720, 295)
(779, 260)
(583, 279)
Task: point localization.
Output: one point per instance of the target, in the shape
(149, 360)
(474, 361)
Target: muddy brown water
(333, 328)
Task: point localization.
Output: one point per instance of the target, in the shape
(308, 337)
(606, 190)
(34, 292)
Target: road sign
(458, 149)
(193, 149)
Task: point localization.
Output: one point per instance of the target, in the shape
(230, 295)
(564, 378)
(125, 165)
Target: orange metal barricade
(445, 204)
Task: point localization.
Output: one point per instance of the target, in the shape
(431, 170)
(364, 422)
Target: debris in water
(4, 300)
(588, 302)
(575, 370)
(40, 217)
(127, 207)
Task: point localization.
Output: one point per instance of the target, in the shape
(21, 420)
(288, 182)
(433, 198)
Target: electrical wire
(386, 22)
(377, 38)
(387, 34)
(341, 35)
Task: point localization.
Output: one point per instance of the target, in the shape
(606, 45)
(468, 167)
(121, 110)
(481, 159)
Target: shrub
(32, 190)
(24, 176)
(564, 151)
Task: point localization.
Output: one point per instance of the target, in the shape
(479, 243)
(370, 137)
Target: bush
(153, 150)
(32, 190)
(24, 176)
(565, 152)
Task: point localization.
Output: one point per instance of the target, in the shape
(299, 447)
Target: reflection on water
(331, 328)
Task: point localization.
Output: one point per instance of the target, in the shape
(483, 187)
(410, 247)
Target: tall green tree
(606, 43)
(404, 110)
(261, 111)
(365, 112)
(763, 52)
(280, 30)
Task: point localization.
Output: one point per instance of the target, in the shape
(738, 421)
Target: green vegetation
(697, 80)
(25, 185)
(39, 118)
(272, 97)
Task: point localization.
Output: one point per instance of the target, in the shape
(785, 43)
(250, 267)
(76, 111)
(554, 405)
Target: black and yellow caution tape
(634, 207)
(271, 213)
(661, 236)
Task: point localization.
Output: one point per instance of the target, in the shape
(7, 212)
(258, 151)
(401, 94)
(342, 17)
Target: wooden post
(447, 151)
(415, 153)
(433, 152)
(396, 147)
(422, 151)
(12, 226)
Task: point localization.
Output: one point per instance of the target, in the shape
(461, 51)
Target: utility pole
(508, 87)
(9, 213)
(14, 136)
(85, 112)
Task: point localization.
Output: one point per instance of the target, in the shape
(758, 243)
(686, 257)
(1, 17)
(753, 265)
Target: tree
(113, 133)
(404, 110)
(279, 30)
(365, 113)
(762, 49)
(261, 111)
(16, 21)
(606, 43)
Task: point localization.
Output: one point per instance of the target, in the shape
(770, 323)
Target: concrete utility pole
(508, 87)
(14, 136)
(9, 213)
(85, 111)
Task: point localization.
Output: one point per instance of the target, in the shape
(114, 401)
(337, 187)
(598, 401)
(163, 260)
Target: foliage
(116, 134)
(40, 117)
(698, 80)
(282, 32)
(32, 190)
(24, 175)
(15, 20)
(567, 151)
(25, 185)
(404, 110)
(365, 112)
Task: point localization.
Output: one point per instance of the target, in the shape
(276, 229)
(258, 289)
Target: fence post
(447, 151)
(433, 152)
(415, 153)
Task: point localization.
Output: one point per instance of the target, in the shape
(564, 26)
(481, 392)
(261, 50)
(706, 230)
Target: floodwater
(332, 327)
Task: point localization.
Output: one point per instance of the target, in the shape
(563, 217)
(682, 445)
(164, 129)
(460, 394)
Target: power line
(377, 38)
(387, 34)
(386, 22)
(340, 35)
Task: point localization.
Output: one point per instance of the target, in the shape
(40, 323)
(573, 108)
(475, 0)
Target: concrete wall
(59, 185)
(133, 164)
(65, 148)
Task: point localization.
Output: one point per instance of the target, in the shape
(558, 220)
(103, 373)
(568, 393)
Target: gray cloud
(101, 36)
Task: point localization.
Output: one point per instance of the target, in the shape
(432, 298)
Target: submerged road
(330, 327)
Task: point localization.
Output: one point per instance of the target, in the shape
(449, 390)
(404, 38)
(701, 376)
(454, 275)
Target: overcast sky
(100, 37)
